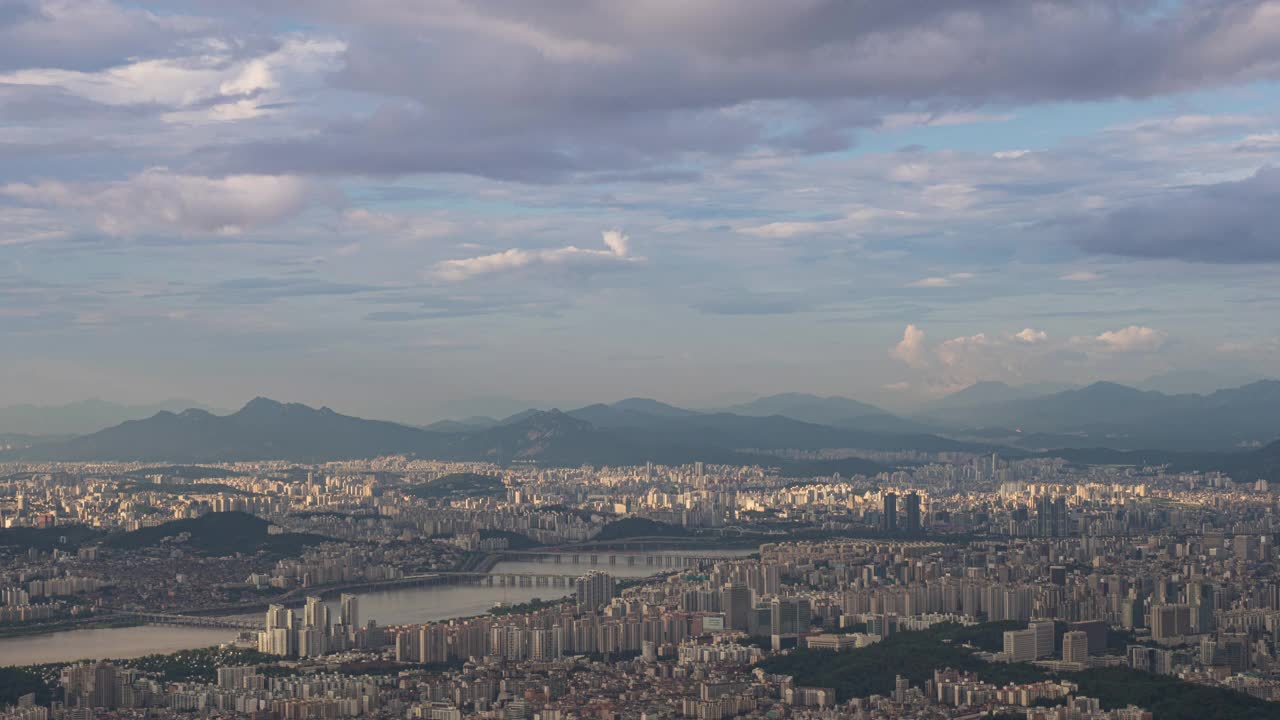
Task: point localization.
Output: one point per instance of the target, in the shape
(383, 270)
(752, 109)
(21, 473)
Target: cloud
(1229, 222)
(216, 85)
(898, 121)
(1029, 354)
(88, 34)
(1081, 276)
(546, 91)
(941, 281)
(398, 228)
(931, 282)
(618, 252)
(1134, 338)
(1031, 336)
(911, 349)
(157, 200)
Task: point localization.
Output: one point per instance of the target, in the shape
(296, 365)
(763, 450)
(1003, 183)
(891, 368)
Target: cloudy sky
(417, 208)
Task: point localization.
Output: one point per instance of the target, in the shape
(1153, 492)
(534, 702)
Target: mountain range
(1100, 418)
(1110, 415)
(81, 417)
(268, 430)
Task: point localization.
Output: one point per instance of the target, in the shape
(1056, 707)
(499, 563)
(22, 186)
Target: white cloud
(1025, 355)
(1010, 154)
(616, 241)
(931, 282)
(1134, 338)
(783, 230)
(1189, 124)
(1081, 276)
(911, 349)
(1031, 336)
(158, 200)
(1260, 142)
(211, 85)
(940, 281)
(898, 121)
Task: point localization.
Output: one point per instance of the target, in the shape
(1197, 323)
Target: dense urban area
(957, 586)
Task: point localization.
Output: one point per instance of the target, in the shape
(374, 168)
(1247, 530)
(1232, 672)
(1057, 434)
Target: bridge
(153, 618)
(610, 559)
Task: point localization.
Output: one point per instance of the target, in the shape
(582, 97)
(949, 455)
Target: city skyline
(563, 207)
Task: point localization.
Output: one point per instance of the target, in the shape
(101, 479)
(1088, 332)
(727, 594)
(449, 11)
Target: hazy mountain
(987, 392)
(652, 407)
(1111, 415)
(559, 438)
(82, 417)
(262, 430)
(522, 415)
(1244, 467)
(1194, 381)
(808, 408)
(269, 430)
(477, 422)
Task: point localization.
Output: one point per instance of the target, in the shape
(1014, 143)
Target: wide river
(389, 607)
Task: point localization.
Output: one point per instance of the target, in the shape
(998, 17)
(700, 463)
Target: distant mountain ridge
(1107, 414)
(268, 430)
(1103, 416)
(84, 416)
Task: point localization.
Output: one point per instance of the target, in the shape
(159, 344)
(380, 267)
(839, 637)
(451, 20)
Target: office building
(1075, 646)
(912, 507)
(889, 513)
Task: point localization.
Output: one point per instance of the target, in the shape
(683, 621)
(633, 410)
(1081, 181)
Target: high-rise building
(889, 513)
(1170, 621)
(788, 617)
(1051, 517)
(1095, 630)
(348, 612)
(1058, 575)
(1044, 630)
(735, 603)
(1075, 646)
(1201, 596)
(912, 506)
(1020, 645)
(316, 613)
(594, 590)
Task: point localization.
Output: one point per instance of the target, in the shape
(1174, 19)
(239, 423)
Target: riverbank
(94, 623)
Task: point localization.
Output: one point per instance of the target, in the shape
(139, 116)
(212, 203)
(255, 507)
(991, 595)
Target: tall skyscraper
(348, 610)
(316, 613)
(735, 602)
(912, 503)
(1044, 631)
(889, 513)
(1051, 517)
(788, 618)
(594, 590)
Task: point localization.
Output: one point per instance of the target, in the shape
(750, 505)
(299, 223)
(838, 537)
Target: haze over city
(640, 360)
(417, 212)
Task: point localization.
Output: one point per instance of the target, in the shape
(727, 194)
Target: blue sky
(413, 210)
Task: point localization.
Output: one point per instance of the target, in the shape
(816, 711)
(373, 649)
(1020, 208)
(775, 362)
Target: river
(389, 607)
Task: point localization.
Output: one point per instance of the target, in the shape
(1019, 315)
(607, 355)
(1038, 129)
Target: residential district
(962, 587)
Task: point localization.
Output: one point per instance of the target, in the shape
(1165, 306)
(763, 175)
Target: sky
(416, 209)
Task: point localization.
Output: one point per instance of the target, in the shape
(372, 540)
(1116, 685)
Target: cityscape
(640, 360)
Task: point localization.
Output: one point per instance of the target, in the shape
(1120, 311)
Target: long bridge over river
(554, 557)
(562, 569)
